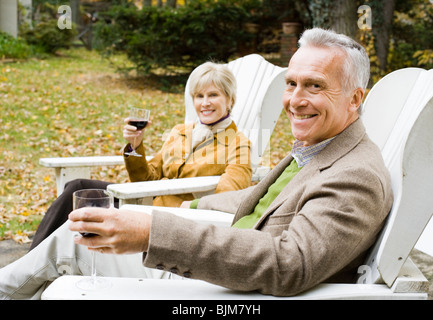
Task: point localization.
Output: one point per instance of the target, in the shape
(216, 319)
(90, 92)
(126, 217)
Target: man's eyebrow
(315, 80)
(318, 80)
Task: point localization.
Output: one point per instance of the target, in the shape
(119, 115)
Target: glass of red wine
(92, 198)
(138, 118)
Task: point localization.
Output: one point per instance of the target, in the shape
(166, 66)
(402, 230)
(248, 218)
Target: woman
(210, 146)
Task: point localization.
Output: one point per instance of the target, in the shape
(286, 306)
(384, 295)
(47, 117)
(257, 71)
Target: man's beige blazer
(318, 229)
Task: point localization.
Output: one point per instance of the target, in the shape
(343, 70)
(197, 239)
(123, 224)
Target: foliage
(155, 37)
(320, 12)
(412, 37)
(411, 43)
(47, 36)
(13, 48)
(367, 39)
(77, 110)
(425, 58)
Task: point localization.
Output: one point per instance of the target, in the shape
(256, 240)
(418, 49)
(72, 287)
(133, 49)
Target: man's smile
(303, 116)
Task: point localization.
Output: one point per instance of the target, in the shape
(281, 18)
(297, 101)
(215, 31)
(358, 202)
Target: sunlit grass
(69, 105)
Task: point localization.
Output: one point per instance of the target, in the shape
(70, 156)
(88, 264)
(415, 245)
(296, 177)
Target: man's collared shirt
(303, 155)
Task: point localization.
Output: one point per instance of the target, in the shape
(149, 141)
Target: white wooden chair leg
(410, 279)
(64, 175)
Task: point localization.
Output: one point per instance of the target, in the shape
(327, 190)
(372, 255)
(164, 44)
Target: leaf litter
(74, 105)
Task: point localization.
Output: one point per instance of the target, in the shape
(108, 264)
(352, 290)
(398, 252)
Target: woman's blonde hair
(213, 73)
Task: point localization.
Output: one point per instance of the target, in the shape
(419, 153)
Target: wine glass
(138, 118)
(92, 198)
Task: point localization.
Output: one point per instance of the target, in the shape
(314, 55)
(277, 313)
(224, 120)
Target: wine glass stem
(93, 275)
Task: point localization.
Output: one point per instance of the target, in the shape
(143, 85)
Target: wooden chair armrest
(70, 168)
(129, 192)
(67, 162)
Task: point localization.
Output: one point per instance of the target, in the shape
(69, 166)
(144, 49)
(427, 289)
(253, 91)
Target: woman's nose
(206, 101)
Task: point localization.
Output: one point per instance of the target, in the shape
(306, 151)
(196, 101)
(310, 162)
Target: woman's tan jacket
(226, 154)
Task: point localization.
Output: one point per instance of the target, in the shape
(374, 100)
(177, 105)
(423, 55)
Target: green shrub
(412, 34)
(170, 38)
(47, 36)
(14, 48)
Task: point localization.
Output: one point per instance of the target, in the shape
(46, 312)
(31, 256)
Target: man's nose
(298, 98)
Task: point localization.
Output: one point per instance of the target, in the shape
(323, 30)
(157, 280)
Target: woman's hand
(118, 231)
(132, 135)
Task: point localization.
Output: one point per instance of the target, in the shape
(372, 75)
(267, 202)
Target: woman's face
(211, 104)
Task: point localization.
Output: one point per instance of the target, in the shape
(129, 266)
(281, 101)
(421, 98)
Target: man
(312, 219)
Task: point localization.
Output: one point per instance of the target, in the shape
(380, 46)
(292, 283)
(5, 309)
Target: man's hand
(186, 204)
(118, 231)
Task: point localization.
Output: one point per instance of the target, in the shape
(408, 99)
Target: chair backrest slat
(398, 116)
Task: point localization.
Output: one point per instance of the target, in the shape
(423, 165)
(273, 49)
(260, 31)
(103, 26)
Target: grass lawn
(74, 105)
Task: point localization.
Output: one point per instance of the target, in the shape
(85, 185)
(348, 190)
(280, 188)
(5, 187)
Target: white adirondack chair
(411, 87)
(398, 116)
(257, 109)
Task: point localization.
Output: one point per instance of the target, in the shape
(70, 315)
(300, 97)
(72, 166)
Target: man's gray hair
(356, 68)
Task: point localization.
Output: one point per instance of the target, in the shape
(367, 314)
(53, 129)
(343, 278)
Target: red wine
(139, 124)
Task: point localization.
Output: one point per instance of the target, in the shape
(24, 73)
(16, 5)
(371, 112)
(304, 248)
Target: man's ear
(356, 99)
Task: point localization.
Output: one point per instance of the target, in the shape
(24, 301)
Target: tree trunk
(147, 3)
(76, 16)
(171, 3)
(344, 17)
(339, 15)
(9, 17)
(382, 30)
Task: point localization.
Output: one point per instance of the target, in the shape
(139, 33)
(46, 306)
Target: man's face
(314, 99)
